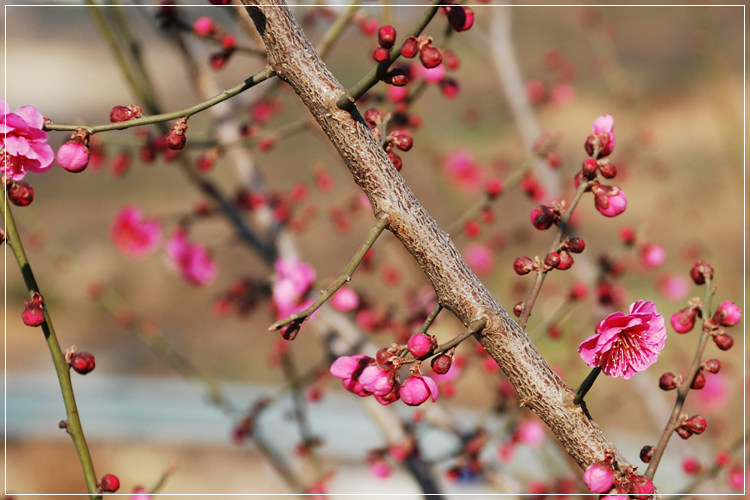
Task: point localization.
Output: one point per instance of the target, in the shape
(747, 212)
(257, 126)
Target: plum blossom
(653, 255)
(417, 389)
(727, 314)
(24, 143)
(463, 171)
(605, 124)
(134, 235)
(345, 299)
(480, 257)
(348, 369)
(192, 260)
(599, 477)
(293, 280)
(626, 343)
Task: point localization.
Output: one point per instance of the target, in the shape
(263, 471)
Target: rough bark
(458, 289)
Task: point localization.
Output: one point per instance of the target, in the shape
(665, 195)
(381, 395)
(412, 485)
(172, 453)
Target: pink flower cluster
(24, 142)
(293, 280)
(363, 376)
(191, 260)
(134, 235)
(610, 201)
(626, 343)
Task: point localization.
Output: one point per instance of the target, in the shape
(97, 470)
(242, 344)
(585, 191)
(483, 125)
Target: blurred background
(672, 76)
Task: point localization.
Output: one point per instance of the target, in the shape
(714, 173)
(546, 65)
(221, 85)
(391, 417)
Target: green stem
(73, 422)
(430, 318)
(182, 113)
(347, 100)
(337, 28)
(343, 278)
(586, 385)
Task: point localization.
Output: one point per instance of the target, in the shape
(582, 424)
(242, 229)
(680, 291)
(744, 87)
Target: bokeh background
(672, 77)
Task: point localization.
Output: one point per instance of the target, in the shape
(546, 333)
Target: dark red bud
(576, 245)
(668, 381)
(699, 382)
(109, 483)
(696, 424)
(441, 364)
(460, 18)
(566, 261)
(518, 309)
(395, 159)
(20, 193)
(607, 170)
(83, 362)
(523, 265)
(724, 341)
(430, 56)
(712, 365)
(552, 260)
(647, 452)
(700, 271)
(410, 47)
(589, 168)
(386, 36)
(381, 54)
(396, 77)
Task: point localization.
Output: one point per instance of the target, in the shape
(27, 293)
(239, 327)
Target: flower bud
(396, 77)
(373, 117)
(125, 113)
(668, 381)
(724, 341)
(175, 139)
(20, 193)
(543, 216)
(82, 362)
(607, 170)
(683, 433)
(523, 265)
(396, 160)
(402, 139)
(696, 424)
(417, 389)
(74, 155)
(589, 168)
(204, 26)
(699, 382)
(421, 345)
(109, 483)
(566, 261)
(700, 271)
(494, 188)
(552, 260)
(441, 364)
(599, 477)
(683, 320)
(386, 36)
(410, 47)
(518, 308)
(647, 452)
(430, 57)
(727, 314)
(381, 54)
(33, 312)
(610, 201)
(576, 245)
(641, 487)
(461, 18)
(712, 365)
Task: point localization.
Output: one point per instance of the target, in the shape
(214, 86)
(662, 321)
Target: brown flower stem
(684, 387)
(343, 278)
(541, 273)
(586, 385)
(347, 100)
(73, 422)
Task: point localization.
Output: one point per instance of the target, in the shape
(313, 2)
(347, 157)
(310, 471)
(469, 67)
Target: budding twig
(343, 278)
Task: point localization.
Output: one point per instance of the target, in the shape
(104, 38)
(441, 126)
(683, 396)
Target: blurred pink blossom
(605, 124)
(674, 287)
(480, 258)
(715, 394)
(431, 75)
(736, 478)
(134, 235)
(192, 260)
(345, 299)
(24, 142)
(531, 433)
(653, 255)
(463, 171)
(380, 468)
(626, 343)
(293, 281)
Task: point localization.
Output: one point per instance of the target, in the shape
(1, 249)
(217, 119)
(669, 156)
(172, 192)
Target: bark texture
(458, 289)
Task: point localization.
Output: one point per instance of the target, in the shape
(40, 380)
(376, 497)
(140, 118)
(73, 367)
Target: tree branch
(458, 289)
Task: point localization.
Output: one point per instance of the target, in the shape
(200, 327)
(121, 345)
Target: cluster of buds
(386, 39)
(74, 155)
(379, 377)
(604, 477)
(205, 27)
(560, 259)
(429, 56)
(608, 200)
(400, 139)
(688, 426)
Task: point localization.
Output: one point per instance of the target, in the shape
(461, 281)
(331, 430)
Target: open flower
(134, 235)
(24, 143)
(626, 343)
(192, 260)
(293, 281)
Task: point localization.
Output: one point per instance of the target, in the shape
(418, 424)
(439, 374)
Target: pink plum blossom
(683, 320)
(380, 468)
(376, 380)
(626, 343)
(24, 143)
(191, 260)
(736, 478)
(345, 299)
(134, 235)
(599, 477)
(715, 394)
(74, 155)
(348, 369)
(531, 433)
(432, 75)
(417, 389)
(293, 281)
(421, 345)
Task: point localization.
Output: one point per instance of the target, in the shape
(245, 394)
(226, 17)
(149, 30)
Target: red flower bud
(396, 160)
(441, 364)
(430, 56)
(566, 261)
(700, 271)
(712, 365)
(109, 483)
(125, 113)
(20, 193)
(82, 362)
(386, 36)
(699, 382)
(396, 77)
(576, 245)
(543, 216)
(696, 424)
(402, 139)
(494, 188)
(668, 381)
(647, 452)
(175, 138)
(460, 18)
(523, 265)
(381, 54)
(518, 308)
(410, 47)
(724, 341)
(552, 260)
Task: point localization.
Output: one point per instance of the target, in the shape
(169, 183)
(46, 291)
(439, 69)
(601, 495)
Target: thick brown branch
(458, 289)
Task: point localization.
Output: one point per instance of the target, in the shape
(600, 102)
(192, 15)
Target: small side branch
(343, 278)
